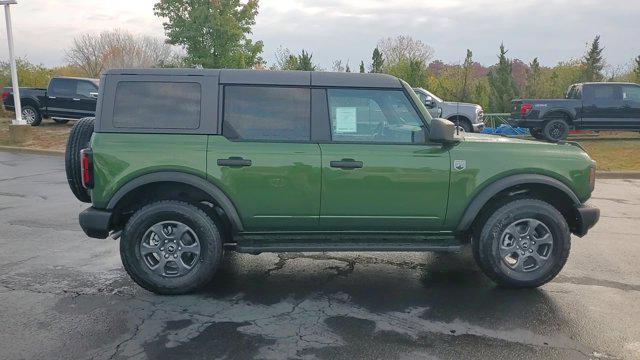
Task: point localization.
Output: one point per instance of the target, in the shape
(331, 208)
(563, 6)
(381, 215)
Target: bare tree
(404, 48)
(117, 49)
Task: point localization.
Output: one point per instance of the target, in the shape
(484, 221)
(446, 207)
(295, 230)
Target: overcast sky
(552, 30)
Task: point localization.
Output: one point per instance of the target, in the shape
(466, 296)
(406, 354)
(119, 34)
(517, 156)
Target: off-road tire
(555, 129)
(170, 210)
(78, 139)
(488, 236)
(37, 117)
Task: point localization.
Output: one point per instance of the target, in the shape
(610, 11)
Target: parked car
(65, 99)
(586, 106)
(469, 117)
(181, 164)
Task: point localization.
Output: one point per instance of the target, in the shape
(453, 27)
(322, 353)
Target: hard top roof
(267, 77)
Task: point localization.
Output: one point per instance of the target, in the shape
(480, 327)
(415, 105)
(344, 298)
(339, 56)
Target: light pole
(14, 73)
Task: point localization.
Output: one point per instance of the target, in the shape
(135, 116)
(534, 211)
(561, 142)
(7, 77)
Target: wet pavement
(63, 295)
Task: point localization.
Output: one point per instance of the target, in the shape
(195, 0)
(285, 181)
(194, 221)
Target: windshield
(416, 100)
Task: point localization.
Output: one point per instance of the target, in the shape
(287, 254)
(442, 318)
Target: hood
(461, 104)
(476, 137)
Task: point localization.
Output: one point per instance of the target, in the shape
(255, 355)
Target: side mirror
(429, 103)
(93, 95)
(442, 131)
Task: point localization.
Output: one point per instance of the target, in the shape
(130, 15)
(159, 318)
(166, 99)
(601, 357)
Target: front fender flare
(178, 177)
(478, 202)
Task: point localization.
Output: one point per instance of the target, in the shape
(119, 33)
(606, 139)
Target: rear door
(84, 101)
(265, 160)
(631, 105)
(377, 172)
(602, 107)
(61, 93)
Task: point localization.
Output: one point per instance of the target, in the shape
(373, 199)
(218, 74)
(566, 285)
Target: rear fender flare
(178, 177)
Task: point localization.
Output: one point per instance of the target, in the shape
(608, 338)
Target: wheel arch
(28, 101)
(181, 183)
(555, 113)
(539, 186)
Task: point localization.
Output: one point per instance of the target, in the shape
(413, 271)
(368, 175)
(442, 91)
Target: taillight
(592, 178)
(5, 94)
(86, 168)
(525, 108)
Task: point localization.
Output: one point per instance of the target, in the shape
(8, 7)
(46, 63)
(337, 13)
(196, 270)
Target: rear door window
(267, 113)
(157, 105)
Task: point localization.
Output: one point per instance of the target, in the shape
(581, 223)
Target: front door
(264, 160)
(377, 173)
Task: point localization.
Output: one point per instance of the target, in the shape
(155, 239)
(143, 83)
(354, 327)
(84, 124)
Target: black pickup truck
(64, 99)
(586, 106)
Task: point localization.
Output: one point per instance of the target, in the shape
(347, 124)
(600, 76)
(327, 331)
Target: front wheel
(60, 121)
(171, 247)
(524, 243)
(537, 133)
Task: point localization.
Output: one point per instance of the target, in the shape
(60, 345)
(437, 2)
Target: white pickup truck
(468, 116)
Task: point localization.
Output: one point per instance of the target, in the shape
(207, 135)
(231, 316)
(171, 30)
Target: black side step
(358, 246)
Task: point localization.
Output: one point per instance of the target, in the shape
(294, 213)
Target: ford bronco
(181, 164)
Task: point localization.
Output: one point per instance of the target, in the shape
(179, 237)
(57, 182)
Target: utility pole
(14, 72)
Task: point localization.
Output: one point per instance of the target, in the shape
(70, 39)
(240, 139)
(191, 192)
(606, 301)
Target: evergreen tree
(213, 32)
(593, 62)
(465, 83)
(362, 70)
(533, 79)
(503, 87)
(377, 61)
(636, 70)
(305, 63)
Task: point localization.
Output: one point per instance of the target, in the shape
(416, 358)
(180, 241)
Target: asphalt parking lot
(63, 295)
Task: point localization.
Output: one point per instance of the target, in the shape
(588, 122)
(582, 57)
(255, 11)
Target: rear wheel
(556, 130)
(171, 247)
(31, 115)
(524, 243)
(78, 139)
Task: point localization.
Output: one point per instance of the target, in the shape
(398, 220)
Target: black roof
(268, 77)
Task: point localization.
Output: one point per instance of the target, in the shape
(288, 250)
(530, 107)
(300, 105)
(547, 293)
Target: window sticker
(346, 120)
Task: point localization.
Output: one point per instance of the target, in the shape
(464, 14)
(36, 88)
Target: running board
(337, 247)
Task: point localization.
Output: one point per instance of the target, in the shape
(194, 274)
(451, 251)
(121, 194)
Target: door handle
(346, 164)
(76, 99)
(234, 161)
(52, 97)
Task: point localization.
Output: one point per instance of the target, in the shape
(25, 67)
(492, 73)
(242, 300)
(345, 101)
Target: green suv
(181, 164)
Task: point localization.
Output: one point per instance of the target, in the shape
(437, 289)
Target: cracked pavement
(66, 296)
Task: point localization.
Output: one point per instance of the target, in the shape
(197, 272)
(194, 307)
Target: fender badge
(460, 164)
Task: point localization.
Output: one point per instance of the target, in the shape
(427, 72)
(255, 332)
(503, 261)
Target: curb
(25, 150)
(617, 175)
(599, 174)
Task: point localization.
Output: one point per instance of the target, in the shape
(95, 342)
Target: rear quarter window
(157, 105)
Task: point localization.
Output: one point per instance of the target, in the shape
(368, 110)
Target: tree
(413, 72)
(213, 32)
(465, 84)
(404, 48)
(636, 69)
(362, 70)
(593, 62)
(503, 87)
(305, 63)
(117, 49)
(337, 66)
(287, 61)
(347, 68)
(377, 61)
(532, 85)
